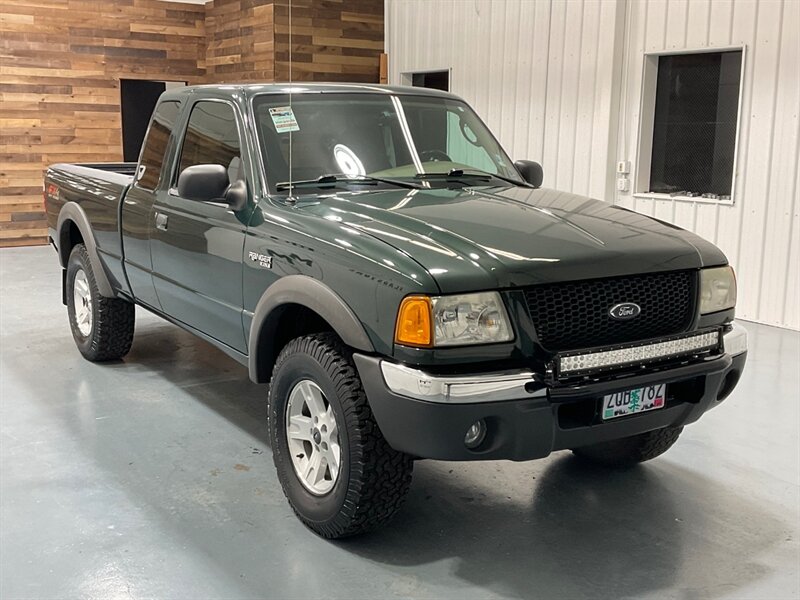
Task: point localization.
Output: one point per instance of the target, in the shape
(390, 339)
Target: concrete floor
(152, 477)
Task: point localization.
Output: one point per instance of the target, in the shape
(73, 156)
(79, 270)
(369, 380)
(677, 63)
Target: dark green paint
(371, 248)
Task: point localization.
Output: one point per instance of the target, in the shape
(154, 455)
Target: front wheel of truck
(339, 474)
(102, 327)
(629, 451)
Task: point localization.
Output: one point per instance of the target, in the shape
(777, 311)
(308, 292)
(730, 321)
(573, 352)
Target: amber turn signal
(414, 322)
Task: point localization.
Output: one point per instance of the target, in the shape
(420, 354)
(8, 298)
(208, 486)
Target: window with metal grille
(694, 98)
(438, 80)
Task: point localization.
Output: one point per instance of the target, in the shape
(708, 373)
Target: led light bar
(637, 354)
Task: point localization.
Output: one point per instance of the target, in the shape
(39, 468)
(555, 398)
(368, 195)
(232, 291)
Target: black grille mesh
(573, 315)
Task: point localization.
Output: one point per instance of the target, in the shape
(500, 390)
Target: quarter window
(155, 145)
(212, 138)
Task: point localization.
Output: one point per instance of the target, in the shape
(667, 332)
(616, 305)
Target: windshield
(377, 135)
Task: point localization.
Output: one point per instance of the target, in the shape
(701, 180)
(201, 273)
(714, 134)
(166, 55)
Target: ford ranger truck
(404, 290)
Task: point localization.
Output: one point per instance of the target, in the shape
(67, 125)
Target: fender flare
(72, 212)
(312, 294)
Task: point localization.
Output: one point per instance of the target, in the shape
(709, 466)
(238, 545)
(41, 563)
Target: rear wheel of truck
(630, 451)
(339, 474)
(102, 327)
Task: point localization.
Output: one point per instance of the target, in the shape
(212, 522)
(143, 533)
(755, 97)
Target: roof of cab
(251, 89)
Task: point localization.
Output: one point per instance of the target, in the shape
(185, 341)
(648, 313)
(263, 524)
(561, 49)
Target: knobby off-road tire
(630, 451)
(102, 327)
(372, 478)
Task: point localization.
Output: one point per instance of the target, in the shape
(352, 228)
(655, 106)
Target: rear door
(197, 246)
(137, 205)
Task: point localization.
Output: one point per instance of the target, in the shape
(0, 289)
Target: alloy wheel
(313, 438)
(82, 300)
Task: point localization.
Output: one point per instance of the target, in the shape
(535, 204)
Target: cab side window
(212, 138)
(155, 144)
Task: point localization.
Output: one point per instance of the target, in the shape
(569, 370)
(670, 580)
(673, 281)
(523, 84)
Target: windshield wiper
(469, 174)
(333, 179)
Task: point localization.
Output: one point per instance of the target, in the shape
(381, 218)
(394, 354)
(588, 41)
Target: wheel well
(285, 323)
(70, 237)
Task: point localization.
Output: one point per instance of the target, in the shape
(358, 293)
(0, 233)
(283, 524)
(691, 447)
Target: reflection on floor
(152, 477)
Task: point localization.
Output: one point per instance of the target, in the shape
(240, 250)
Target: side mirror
(236, 195)
(204, 183)
(531, 172)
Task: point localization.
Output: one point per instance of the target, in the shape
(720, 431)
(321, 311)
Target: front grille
(574, 314)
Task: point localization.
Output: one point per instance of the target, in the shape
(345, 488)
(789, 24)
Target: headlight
(717, 289)
(470, 319)
(452, 320)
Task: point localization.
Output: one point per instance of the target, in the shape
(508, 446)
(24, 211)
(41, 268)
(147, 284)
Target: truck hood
(501, 237)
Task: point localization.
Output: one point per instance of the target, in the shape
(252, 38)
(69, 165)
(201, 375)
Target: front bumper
(428, 416)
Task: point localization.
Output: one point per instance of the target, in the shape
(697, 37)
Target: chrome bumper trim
(490, 387)
(735, 339)
(495, 387)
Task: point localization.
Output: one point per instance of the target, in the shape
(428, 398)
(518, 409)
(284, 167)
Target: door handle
(161, 221)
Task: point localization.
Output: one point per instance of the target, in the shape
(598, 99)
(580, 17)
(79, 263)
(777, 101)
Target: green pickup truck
(405, 289)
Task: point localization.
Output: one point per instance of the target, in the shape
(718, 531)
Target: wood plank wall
(331, 40)
(60, 66)
(241, 42)
(61, 62)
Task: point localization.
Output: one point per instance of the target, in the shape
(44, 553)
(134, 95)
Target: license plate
(635, 401)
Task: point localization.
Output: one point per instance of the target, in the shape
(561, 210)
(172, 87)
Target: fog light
(475, 434)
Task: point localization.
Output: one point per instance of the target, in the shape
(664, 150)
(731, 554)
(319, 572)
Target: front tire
(629, 451)
(101, 327)
(339, 474)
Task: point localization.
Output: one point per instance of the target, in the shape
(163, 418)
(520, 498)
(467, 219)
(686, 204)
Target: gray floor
(152, 478)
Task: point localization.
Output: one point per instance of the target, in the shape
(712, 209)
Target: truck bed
(122, 168)
(98, 189)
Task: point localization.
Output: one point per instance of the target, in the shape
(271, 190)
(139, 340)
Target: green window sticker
(283, 119)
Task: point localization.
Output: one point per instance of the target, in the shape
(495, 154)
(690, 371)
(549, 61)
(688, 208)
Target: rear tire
(101, 327)
(315, 389)
(627, 452)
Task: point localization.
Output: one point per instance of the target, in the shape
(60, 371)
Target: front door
(197, 246)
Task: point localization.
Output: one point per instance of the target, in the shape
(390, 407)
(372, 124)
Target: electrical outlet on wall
(622, 184)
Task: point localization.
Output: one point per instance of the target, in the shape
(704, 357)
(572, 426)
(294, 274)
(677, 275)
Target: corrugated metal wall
(560, 82)
(760, 232)
(539, 73)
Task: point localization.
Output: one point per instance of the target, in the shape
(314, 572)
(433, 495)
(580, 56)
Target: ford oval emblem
(624, 311)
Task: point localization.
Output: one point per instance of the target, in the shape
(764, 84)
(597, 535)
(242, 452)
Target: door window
(212, 139)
